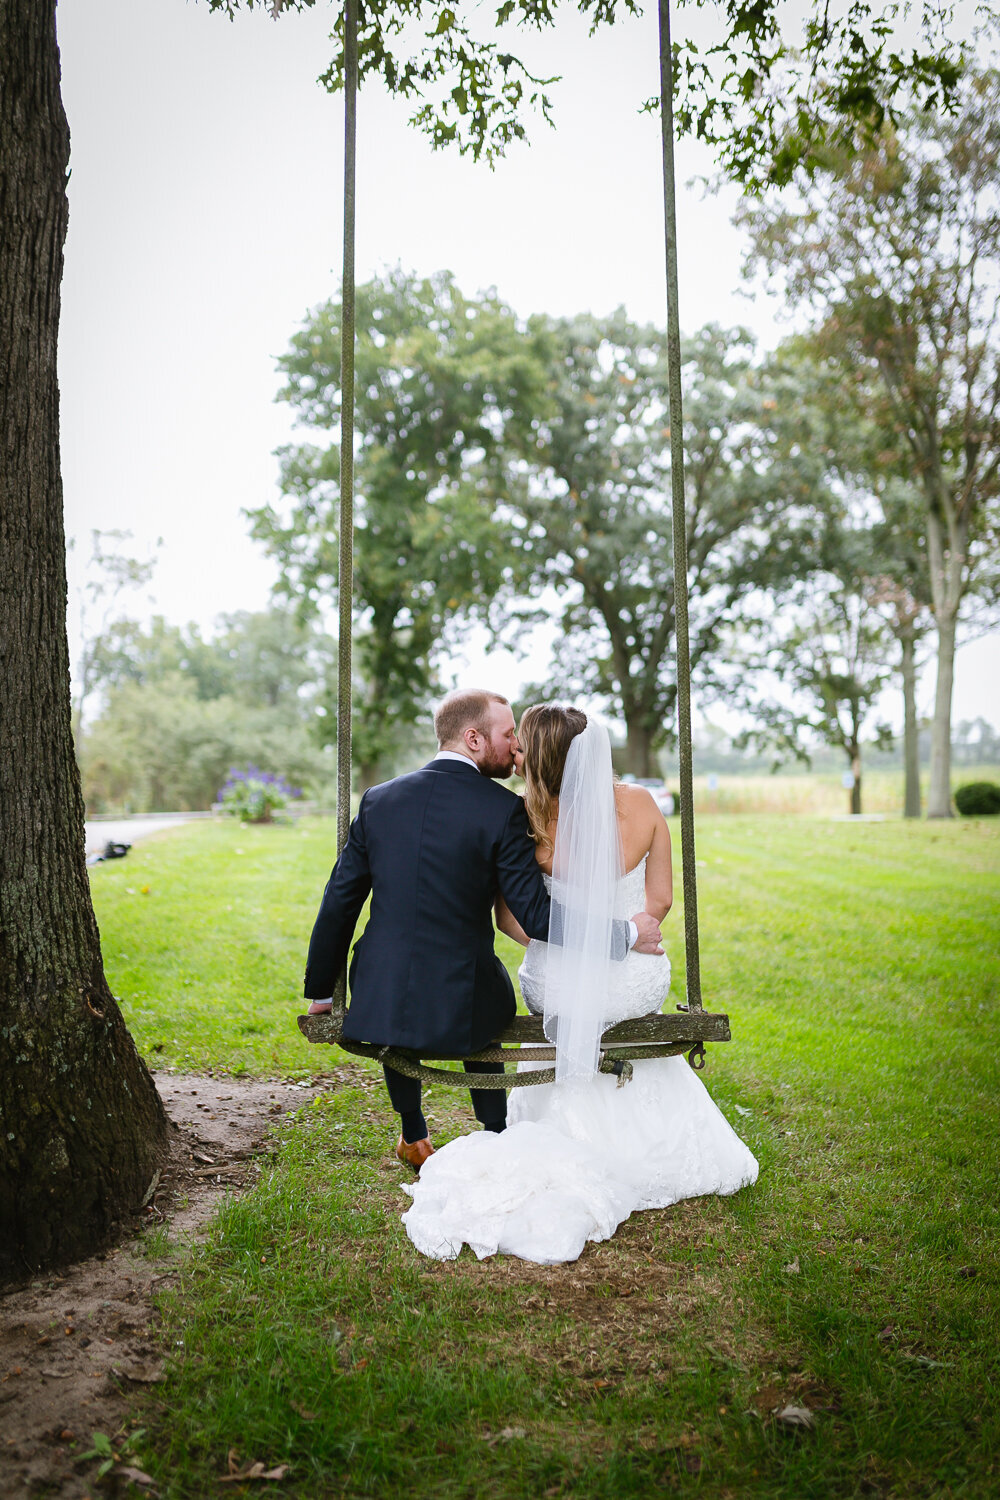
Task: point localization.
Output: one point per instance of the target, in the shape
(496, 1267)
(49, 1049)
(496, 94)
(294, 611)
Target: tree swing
(657, 1035)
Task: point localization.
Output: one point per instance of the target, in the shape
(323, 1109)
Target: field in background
(818, 794)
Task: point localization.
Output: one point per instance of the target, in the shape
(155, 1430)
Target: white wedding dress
(577, 1158)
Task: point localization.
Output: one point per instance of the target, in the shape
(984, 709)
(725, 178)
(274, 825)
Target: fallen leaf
(793, 1268)
(133, 1476)
(303, 1411)
(796, 1416)
(254, 1471)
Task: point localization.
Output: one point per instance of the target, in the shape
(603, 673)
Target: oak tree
(81, 1124)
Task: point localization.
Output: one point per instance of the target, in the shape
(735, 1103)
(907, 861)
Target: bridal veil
(586, 867)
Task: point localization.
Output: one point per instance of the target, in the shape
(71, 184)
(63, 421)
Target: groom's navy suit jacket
(433, 848)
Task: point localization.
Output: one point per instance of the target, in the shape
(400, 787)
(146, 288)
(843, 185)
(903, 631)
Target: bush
(978, 798)
(253, 795)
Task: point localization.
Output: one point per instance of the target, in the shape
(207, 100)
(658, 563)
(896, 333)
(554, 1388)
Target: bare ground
(77, 1347)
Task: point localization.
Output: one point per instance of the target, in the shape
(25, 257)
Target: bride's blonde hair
(545, 734)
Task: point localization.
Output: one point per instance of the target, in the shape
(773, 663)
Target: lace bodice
(640, 984)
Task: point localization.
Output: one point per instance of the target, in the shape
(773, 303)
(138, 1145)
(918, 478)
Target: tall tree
(593, 521)
(840, 418)
(441, 379)
(898, 586)
(825, 642)
(112, 572)
(81, 1123)
(898, 252)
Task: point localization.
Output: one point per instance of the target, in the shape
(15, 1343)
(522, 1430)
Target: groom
(434, 848)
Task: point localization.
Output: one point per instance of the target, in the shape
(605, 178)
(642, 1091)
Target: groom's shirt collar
(457, 755)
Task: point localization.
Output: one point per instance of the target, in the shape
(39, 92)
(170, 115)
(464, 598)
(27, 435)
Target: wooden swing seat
(655, 1035)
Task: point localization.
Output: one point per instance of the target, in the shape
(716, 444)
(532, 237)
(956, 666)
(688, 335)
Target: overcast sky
(205, 220)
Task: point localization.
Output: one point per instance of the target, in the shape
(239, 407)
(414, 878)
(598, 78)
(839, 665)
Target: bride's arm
(659, 868)
(508, 923)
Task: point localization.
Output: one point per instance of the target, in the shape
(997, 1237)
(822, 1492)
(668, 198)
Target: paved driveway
(130, 830)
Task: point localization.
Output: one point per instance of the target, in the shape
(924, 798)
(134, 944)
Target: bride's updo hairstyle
(545, 734)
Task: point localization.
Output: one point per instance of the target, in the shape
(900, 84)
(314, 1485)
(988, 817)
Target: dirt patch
(77, 1347)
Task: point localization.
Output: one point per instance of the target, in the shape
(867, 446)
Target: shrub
(254, 795)
(978, 798)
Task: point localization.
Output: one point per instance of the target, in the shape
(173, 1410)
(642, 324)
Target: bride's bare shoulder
(634, 801)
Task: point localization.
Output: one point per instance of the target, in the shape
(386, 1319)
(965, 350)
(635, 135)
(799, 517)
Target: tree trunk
(939, 793)
(947, 557)
(911, 729)
(81, 1123)
(640, 758)
(369, 774)
(856, 785)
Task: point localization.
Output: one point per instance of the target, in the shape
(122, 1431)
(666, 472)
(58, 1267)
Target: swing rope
(345, 576)
(715, 1027)
(679, 518)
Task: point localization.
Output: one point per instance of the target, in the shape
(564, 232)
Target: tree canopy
(770, 93)
(897, 254)
(181, 710)
(593, 518)
(442, 383)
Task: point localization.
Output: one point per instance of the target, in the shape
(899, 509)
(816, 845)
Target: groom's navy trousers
(433, 849)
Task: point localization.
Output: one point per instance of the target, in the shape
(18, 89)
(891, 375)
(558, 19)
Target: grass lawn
(858, 1279)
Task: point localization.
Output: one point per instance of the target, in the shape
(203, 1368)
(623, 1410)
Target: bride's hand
(648, 940)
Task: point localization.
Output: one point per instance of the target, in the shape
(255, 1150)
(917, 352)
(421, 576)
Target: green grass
(858, 965)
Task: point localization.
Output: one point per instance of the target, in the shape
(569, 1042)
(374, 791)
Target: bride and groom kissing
(578, 871)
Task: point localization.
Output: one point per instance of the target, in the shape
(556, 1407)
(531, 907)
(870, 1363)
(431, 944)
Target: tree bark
(855, 797)
(369, 774)
(947, 553)
(939, 792)
(640, 758)
(81, 1124)
(911, 729)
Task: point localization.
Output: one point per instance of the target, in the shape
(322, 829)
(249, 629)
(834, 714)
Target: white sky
(205, 220)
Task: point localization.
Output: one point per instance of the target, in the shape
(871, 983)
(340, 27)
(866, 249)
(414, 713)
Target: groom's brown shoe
(414, 1153)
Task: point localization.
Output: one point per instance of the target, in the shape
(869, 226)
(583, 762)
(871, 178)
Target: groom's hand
(648, 928)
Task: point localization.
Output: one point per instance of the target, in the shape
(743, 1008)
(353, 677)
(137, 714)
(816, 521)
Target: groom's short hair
(466, 708)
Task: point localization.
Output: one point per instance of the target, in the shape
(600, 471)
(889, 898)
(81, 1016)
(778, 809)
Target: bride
(580, 1155)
